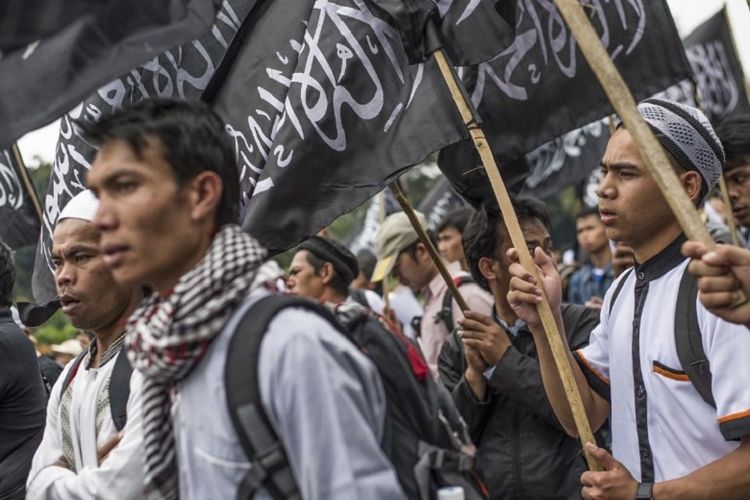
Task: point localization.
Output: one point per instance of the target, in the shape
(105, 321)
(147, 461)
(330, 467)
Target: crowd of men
(151, 261)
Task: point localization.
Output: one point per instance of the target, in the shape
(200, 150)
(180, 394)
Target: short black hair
(367, 261)
(340, 282)
(734, 134)
(7, 275)
(189, 135)
(485, 231)
(456, 219)
(587, 212)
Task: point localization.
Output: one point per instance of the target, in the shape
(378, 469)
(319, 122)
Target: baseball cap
(395, 234)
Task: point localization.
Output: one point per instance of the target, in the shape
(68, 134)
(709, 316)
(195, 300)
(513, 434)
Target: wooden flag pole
(384, 283)
(409, 211)
(559, 350)
(24, 175)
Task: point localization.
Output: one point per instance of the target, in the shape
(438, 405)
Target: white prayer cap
(82, 206)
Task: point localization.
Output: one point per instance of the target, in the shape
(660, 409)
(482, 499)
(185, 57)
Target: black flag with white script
(87, 47)
(541, 87)
(716, 68)
(19, 222)
(324, 111)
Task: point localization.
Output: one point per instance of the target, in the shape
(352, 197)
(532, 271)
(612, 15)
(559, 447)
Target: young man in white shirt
(83, 454)
(667, 441)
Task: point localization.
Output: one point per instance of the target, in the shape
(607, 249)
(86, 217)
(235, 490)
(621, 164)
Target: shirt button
(641, 276)
(645, 453)
(640, 391)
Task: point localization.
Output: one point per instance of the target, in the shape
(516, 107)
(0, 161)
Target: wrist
(645, 491)
(476, 382)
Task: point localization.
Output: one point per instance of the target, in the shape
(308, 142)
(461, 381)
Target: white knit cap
(81, 206)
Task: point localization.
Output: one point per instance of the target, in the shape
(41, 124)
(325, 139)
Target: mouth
(69, 304)
(740, 212)
(114, 254)
(607, 216)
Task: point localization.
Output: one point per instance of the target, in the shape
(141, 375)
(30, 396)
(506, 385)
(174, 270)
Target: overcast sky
(687, 14)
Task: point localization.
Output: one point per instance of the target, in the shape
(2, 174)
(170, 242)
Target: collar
(6, 316)
(518, 327)
(661, 263)
(437, 285)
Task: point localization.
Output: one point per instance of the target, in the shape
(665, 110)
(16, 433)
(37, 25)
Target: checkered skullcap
(688, 136)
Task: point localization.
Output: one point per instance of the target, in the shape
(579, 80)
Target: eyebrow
(619, 165)
(75, 249)
(110, 178)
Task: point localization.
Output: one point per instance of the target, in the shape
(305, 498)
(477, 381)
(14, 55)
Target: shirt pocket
(669, 373)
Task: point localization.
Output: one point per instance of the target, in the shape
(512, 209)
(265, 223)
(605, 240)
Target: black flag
(19, 221)
(48, 77)
(439, 202)
(184, 72)
(363, 236)
(716, 68)
(541, 87)
(325, 110)
(567, 160)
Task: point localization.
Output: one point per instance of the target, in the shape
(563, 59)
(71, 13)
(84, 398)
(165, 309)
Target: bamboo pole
(384, 283)
(559, 350)
(23, 174)
(409, 211)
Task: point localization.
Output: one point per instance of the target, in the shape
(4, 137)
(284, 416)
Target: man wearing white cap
(676, 431)
(92, 445)
(400, 253)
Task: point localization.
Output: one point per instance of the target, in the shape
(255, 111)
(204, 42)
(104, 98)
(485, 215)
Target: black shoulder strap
(119, 390)
(119, 386)
(688, 338)
(359, 296)
(270, 466)
(74, 366)
(618, 289)
(446, 311)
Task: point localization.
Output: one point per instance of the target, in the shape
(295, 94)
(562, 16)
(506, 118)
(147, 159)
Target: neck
(502, 307)
(106, 335)
(165, 286)
(601, 258)
(656, 244)
(330, 295)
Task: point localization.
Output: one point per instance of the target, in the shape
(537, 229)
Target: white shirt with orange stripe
(660, 421)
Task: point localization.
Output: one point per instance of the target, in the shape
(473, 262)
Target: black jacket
(23, 402)
(523, 452)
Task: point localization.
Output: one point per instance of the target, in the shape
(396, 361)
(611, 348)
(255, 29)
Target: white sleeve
(727, 348)
(120, 476)
(326, 401)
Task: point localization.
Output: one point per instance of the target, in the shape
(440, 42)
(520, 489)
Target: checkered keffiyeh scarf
(167, 337)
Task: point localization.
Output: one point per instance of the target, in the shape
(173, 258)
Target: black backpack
(425, 438)
(446, 311)
(119, 386)
(687, 334)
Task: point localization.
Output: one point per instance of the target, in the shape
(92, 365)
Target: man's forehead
(70, 232)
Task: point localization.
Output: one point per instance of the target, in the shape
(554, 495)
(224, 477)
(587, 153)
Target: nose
(605, 189)
(105, 218)
(65, 276)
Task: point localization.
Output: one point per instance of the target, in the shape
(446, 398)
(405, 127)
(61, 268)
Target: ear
(327, 272)
(205, 194)
(692, 182)
(488, 268)
(422, 253)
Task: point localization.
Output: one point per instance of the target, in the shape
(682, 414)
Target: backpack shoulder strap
(270, 467)
(688, 338)
(75, 364)
(446, 310)
(359, 296)
(119, 390)
(618, 289)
